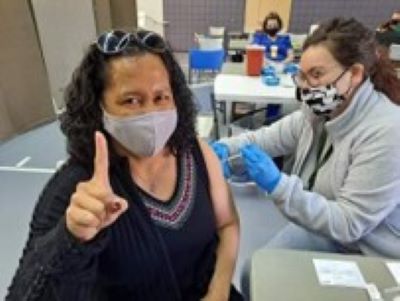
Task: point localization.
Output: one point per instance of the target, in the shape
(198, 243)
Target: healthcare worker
(343, 193)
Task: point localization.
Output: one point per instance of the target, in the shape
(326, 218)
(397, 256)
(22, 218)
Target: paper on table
(339, 273)
(394, 268)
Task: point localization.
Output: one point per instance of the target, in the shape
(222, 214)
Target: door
(256, 10)
(186, 17)
(150, 15)
(64, 32)
(24, 91)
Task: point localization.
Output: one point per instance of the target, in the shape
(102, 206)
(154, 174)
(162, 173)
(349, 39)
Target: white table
(230, 88)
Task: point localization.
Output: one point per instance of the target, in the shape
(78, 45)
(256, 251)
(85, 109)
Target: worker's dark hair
(350, 42)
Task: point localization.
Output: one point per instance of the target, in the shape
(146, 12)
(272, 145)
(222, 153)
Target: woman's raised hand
(94, 206)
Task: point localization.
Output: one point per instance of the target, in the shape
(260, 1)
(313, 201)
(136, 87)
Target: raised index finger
(101, 161)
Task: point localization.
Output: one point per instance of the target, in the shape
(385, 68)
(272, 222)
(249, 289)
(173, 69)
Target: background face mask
(272, 31)
(143, 135)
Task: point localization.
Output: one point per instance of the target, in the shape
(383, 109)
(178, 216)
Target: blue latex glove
(270, 80)
(268, 70)
(261, 167)
(222, 152)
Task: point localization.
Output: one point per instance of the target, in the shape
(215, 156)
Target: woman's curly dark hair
(84, 94)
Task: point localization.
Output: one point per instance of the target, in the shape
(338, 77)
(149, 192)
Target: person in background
(278, 47)
(278, 52)
(388, 33)
(391, 25)
(141, 210)
(343, 193)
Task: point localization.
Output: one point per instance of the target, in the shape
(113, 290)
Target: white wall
(151, 15)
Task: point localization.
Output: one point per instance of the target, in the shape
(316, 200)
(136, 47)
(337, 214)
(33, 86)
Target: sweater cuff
(70, 253)
(95, 246)
(279, 190)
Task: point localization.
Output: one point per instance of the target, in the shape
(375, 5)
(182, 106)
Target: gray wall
(370, 12)
(185, 17)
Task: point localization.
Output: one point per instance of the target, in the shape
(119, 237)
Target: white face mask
(144, 135)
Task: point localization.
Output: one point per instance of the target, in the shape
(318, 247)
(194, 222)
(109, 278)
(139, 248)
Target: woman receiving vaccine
(140, 211)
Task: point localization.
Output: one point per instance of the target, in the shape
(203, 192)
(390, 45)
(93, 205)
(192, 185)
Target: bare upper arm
(221, 196)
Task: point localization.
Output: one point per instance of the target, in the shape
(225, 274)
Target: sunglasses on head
(115, 41)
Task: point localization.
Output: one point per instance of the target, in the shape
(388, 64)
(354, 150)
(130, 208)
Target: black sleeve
(54, 265)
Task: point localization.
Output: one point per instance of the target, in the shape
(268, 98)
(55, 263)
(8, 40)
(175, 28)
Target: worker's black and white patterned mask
(321, 100)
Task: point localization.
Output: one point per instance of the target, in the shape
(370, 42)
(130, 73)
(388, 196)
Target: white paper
(339, 273)
(394, 268)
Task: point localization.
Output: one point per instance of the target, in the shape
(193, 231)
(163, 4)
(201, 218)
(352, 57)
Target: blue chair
(205, 60)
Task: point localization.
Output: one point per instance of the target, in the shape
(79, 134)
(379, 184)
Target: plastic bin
(254, 59)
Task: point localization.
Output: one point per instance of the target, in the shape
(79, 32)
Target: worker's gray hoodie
(356, 196)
